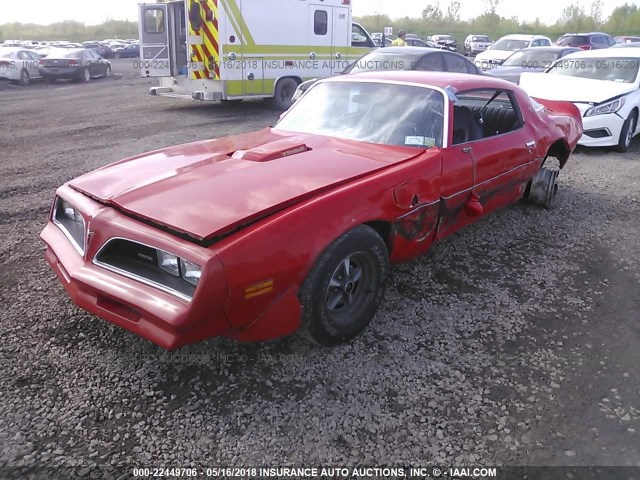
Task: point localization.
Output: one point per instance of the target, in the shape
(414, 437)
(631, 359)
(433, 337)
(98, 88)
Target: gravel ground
(514, 342)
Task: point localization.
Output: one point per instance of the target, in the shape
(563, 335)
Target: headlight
(70, 221)
(168, 263)
(179, 267)
(608, 107)
(190, 272)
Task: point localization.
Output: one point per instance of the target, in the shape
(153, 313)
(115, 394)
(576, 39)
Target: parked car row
(109, 48)
(604, 84)
(476, 44)
(21, 66)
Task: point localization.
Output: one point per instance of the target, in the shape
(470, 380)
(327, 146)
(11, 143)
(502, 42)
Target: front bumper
(601, 130)
(161, 317)
(477, 50)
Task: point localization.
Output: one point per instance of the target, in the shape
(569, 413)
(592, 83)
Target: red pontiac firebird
(293, 228)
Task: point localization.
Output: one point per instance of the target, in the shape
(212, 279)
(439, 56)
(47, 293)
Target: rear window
(573, 41)
(480, 38)
(510, 44)
(63, 53)
(154, 19)
(381, 61)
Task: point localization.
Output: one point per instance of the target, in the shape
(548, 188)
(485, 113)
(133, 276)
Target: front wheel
(626, 133)
(345, 287)
(283, 95)
(25, 78)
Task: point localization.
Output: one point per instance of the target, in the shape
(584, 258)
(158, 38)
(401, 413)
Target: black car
(74, 64)
(414, 41)
(102, 48)
(445, 41)
(404, 58)
(586, 41)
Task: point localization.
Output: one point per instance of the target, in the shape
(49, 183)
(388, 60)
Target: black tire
(626, 133)
(338, 306)
(85, 76)
(25, 78)
(285, 88)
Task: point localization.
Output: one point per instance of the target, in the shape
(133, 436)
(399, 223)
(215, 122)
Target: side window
(484, 113)
(23, 55)
(545, 43)
(154, 19)
(432, 62)
(455, 64)
(598, 40)
(359, 37)
(536, 43)
(320, 22)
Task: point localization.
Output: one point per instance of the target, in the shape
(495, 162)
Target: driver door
(494, 163)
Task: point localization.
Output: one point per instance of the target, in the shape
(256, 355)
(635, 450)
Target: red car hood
(210, 188)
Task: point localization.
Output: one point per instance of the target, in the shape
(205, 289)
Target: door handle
(530, 144)
(466, 149)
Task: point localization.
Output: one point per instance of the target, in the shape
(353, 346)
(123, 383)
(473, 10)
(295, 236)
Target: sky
(93, 12)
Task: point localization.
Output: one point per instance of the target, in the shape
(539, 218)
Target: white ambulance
(237, 49)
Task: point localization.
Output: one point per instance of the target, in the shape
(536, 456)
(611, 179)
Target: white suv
(503, 48)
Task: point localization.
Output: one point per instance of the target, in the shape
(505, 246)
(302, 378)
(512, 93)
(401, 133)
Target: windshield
(388, 114)
(480, 38)
(621, 70)
(532, 59)
(573, 41)
(375, 62)
(510, 44)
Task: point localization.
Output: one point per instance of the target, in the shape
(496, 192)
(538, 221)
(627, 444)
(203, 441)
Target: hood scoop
(272, 151)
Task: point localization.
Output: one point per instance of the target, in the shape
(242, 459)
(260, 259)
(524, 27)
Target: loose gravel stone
(494, 348)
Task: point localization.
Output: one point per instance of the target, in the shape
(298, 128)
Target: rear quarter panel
(558, 121)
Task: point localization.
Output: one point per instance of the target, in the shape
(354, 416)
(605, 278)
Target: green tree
(491, 6)
(453, 12)
(432, 12)
(596, 12)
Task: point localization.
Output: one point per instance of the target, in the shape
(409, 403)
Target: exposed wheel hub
(544, 187)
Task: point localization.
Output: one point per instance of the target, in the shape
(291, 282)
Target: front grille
(140, 262)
